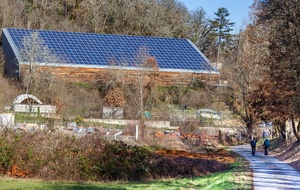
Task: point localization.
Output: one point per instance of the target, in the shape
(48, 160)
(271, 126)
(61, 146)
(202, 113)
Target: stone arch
(19, 99)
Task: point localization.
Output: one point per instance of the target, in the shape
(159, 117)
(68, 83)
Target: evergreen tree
(222, 27)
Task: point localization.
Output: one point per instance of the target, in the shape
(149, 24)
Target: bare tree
(201, 30)
(166, 18)
(93, 15)
(137, 80)
(243, 73)
(34, 54)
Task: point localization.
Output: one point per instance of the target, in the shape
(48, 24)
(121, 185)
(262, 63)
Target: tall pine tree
(222, 28)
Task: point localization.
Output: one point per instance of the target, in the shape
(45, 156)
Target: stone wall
(153, 124)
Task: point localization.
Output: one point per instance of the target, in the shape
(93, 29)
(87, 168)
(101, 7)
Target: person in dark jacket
(253, 146)
(266, 146)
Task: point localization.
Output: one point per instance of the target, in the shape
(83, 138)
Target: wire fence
(180, 117)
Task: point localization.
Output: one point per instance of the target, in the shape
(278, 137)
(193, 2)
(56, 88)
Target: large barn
(86, 57)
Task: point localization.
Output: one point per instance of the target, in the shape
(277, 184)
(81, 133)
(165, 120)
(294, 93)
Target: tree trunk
(296, 131)
(250, 130)
(283, 131)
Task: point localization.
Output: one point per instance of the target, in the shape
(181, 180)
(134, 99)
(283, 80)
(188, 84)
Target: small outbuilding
(27, 103)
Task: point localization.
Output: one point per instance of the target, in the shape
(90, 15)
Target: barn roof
(99, 50)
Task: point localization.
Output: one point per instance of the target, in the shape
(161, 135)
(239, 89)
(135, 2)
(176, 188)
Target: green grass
(85, 85)
(27, 118)
(219, 181)
(232, 179)
(104, 125)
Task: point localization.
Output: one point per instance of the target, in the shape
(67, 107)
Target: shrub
(78, 119)
(6, 155)
(8, 148)
(190, 126)
(54, 156)
(120, 161)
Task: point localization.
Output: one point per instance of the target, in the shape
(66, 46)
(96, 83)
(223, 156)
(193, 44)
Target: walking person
(266, 146)
(253, 146)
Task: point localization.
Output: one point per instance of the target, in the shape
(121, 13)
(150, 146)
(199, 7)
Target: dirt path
(269, 172)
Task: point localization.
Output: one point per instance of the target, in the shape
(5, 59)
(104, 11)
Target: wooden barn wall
(76, 74)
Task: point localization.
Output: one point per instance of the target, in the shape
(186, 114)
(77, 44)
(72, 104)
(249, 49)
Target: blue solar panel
(98, 49)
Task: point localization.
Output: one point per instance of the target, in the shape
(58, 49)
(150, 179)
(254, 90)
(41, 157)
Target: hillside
(288, 152)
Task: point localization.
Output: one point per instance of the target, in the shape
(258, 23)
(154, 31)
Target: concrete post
(136, 132)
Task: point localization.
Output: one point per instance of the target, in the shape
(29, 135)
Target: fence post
(136, 132)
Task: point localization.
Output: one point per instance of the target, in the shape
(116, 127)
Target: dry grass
(243, 175)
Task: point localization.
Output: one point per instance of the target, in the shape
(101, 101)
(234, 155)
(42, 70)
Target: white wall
(7, 119)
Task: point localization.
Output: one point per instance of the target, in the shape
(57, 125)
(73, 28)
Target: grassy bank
(237, 177)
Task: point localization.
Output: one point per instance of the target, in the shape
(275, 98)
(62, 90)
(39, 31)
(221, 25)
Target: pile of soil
(174, 163)
(188, 155)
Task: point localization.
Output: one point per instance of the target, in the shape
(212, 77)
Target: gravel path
(268, 172)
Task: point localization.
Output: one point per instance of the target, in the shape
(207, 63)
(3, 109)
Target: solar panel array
(100, 49)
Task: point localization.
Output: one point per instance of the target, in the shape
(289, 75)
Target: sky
(238, 9)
